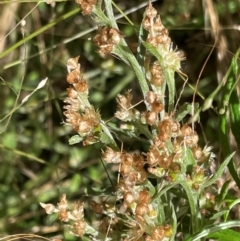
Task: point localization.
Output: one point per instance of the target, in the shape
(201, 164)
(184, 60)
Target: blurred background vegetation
(37, 163)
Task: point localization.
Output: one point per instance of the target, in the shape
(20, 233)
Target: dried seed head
(158, 233)
(124, 101)
(79, 228)
(163, 137)
(157, 74)
(197, 153)
(138, 162)
(73, 104)
(72, 93)
(163, 40)
(73, 64)
(63, 205)
(49, 208)
(144, 196)
(84, 127)
(154, 156)
(78, 211)
(157, 142)
(155, 68)
(157, 106)
(86, 8)
(157, 80)
(151, 97)
(141, 176)
(142, 209)
(128, 198)
(125, 169)
(151, 117)
(165, 126)
(126, 159)
(115, 36)
(158, 26)
(111, 156)
(175, 128)
(186, 130)
(150, 11)
(74, 76)
(86, 5)
(63, 215)
(72, 117)
(125, 112)
(151, 39)
(106, 38)
(81, 87)
(146, 23)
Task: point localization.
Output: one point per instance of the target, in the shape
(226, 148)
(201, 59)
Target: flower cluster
(125, 111)
(159, 38)
(75, 216)
(79, 113)
(106, 38)
(157, 77)
(86, 5)
(155, 106)
(158, 34)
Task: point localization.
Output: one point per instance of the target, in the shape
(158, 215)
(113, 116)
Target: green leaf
(218, 214)
(223, 123)
(225, 235)
(234, 104)
(95, 191)
(235, 202)
(75, 139)
(224, 191)
(215, 228)
(10, 140)
(219, 172)
(185, 109)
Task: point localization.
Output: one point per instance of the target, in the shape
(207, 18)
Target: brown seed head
(74, 76)
(125, 169)
(127, 159)
(144, 196)
(79, 227)
(141, 209)
(81, 87)
(197, 153)
(151, 97)
(186, 130)
(72, 93)
(151, 117)
(146, 23)
(150, 11)
(63, 205)
(111, 156)
(63, 215)
(128, 198)
(157, 106)
(73, 64)
(158, 26)
(49, 208)
(158, 233)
